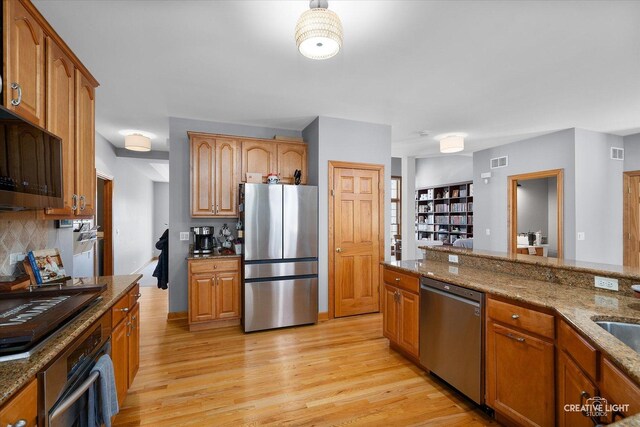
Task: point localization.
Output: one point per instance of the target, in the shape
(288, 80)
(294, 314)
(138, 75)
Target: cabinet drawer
(618, 388)
(134, 295)
(402, 280)
(22, 406)
(119, 311)
(579, 349)
(209, 266)
(520, 317)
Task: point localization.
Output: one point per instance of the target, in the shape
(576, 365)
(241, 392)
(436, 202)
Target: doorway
(535, 213)
(356, 237)
(631, 219)
(104, 220)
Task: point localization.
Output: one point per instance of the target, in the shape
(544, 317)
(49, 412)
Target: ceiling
(497, 71)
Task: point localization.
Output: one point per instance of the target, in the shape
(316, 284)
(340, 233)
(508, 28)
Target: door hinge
(332, 192)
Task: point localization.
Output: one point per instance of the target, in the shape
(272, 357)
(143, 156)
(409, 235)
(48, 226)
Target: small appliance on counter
(203, 240)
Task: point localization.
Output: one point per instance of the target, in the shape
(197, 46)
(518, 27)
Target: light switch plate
(581, 235)
(606, 283)
(488, 231)
(453, 258)
(184, 235)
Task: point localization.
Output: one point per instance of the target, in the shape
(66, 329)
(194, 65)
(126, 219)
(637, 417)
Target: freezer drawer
(280, 303)
(262, 221)
(280, 269)
(300, 223)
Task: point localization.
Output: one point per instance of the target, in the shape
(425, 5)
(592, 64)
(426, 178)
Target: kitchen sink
(628, 333)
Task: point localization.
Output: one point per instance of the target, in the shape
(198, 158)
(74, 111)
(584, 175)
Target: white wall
(132, 209)
(598, 197)
(533, 206)
(160, 213)
(632, 152)
(349, 141)
(396, 166)
(552, 204)
(442, 170)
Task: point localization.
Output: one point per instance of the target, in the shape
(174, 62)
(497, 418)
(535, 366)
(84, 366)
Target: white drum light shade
(319, 33)
(452, 144)
(137, 142)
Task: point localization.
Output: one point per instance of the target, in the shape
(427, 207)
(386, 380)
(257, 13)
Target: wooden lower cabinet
(21, 407)
(120, 358)
(133, 343)
(574, 388)
(401, 313)
(618, 389)
(125, 341)
(214, 293)
(520, 378)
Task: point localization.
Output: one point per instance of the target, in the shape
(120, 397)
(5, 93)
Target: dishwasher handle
(445, 294)
(450, 289)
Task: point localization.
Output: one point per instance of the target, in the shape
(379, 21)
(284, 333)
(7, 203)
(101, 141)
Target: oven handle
(73, 397)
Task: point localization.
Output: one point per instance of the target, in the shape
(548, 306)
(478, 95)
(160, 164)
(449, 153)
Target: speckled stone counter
(193, 257)
(17, 373)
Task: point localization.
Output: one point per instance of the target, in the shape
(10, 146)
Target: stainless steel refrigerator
(280, 259)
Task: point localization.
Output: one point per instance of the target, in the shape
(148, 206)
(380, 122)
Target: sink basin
(628, 333)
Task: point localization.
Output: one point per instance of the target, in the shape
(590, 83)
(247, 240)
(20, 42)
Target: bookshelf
(445, 212)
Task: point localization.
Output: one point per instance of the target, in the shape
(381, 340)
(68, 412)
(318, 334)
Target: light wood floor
(337, 373)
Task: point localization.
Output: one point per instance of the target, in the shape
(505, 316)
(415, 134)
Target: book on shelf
(45, 266)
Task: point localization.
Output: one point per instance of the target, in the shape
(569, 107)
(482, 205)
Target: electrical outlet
(16, 257)
(488, 231)
(453, 258)
(453, 270)
(184, 235)
(581, 235)
(606, 283)
(606, 302)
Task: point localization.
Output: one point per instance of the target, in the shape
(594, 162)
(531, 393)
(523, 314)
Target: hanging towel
(105, 402)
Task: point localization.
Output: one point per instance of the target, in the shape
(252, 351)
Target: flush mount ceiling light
(319, 31)
(137, 140)
(452, 144)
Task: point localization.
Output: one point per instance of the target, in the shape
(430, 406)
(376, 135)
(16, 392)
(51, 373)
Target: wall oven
(67, 380)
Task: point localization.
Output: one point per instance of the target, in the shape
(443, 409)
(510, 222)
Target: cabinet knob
(124, 310)
(339, 250)
(16, 101)
(397, 279)
(515, 316)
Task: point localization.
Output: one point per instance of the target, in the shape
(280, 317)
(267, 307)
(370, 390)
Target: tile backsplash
(21, 235)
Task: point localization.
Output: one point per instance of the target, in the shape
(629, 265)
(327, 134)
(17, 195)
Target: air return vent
(617, 153)
(499, 162)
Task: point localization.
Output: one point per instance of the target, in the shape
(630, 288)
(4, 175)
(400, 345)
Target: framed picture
(64, 223)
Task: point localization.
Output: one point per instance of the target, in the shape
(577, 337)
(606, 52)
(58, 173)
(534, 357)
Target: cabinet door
(520, 376)
(226, 173)
(573, 389)
(24, 63)
(22, 406)
(258, 156)
(120, 357)
(134, 344)
(409, 322)
(390, 314)
(227, 298)
(201, 295)
(60, 119)
(85, 146)
(202, 191)
(290, 158)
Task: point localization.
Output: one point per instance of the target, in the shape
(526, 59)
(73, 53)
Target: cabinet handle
(124, 310)
(129, 332)
(515, 316)
(74, 200)
(83, 203)
(138, 295)
(16, 101)
(513, 337)
(19, 423)
(397, 279)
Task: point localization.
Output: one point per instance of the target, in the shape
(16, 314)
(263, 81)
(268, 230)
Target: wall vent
(499, 162)
(617, 153)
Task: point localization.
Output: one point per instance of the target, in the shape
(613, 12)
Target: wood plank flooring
(340, 372)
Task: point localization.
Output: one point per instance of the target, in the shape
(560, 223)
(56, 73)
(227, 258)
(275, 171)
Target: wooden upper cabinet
(85, 180)
(60, 118)
(226, 177)
(202, 191)
(24, 63)
(258, 157)
(292, 156)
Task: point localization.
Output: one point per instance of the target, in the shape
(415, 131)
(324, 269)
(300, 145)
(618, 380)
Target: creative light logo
(596, 407)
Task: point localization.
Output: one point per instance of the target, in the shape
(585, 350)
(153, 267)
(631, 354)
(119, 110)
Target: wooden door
(356, 238)
(390, 315)
(520, 376)
(227, 298)
(226, 173)
(24, 63)
(258, 156)
(133, 344)
(574, 388)
(291, 157)
(85, 146)
(409, 322)
(202, 169)
(60, 119)
(120, 357)
(201, 297)
(22, 406)
(632, 219)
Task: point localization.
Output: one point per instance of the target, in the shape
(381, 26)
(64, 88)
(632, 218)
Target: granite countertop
(15, 374)
(578, 306)
(192, 257)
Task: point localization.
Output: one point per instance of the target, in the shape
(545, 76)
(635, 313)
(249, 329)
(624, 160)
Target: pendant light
(452, 144)
(319, 31)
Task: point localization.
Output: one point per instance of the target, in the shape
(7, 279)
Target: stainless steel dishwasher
(451, 331)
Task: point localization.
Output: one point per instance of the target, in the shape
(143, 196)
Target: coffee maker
(203, 242)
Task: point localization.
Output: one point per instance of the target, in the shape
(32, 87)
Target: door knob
(338, 250)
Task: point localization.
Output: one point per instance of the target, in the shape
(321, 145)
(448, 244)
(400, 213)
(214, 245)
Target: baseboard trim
(145, 265)
(323, 316)
(177, 315)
